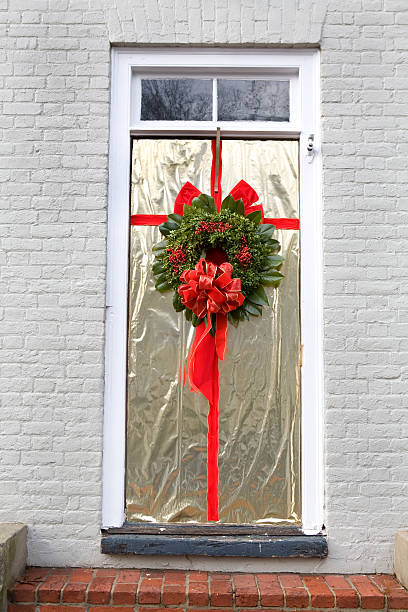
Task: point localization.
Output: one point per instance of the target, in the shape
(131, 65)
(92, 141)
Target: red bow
(210, 289)
(241, 191)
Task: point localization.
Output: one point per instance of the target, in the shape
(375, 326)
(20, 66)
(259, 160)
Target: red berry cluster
(211, 227)
(177, 257)
(243, 255)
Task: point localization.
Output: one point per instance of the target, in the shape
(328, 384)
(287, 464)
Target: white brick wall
(54, 72)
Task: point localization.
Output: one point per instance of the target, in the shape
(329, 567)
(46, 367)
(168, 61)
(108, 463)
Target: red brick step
(103, 590)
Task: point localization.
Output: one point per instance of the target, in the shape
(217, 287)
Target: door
(260, 411)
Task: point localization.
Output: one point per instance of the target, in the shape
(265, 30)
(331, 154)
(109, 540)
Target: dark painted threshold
(214, 545)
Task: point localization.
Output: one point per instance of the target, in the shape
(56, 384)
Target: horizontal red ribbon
(147, 219)
(283, 223)
(280, 223)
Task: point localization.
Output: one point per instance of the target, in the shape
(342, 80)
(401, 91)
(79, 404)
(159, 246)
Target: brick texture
(127, 591)
(54, 121)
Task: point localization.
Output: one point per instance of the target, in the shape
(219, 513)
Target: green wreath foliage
(249, 246)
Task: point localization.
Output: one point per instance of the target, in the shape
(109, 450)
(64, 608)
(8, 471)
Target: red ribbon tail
(221, 335)
(198, 370)
(203, 375)
(212, 452)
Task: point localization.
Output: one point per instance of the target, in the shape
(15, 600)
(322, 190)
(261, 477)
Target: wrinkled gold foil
(259, 457)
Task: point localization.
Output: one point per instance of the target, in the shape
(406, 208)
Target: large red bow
(241, 191)
(210, 289)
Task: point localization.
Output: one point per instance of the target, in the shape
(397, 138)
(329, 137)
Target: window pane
(240, 100)
(176, 100)
(260, 402)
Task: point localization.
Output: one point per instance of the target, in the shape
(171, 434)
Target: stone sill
(265, 546)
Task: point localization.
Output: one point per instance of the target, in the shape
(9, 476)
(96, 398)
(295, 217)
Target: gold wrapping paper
(259, 458)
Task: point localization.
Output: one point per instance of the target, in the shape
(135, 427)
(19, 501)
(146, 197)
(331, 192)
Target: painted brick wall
(54, 71)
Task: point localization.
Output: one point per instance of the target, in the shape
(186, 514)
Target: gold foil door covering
(259, 458)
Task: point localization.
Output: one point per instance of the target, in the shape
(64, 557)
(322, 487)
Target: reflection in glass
(176, 100)
(240, 100)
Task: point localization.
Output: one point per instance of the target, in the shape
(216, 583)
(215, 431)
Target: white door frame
(303, 68)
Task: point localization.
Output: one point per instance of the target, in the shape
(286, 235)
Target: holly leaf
(243, 315)
(240, 208)
(274, 244)
(162, 286)
(265, 231)
(158, 267)
(273, 261)
(272, 279)
(253, 309)
(259, 297)
(177, 303)
(176, 218)
(188, 314)
(168, 227)
(160, 247)
(205, 202)
(236, 206)
(228, 203)
(160, 278)
(255, 217)
(233, 317)
(275, 274)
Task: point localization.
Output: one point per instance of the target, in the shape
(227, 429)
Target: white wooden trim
(233, 127)
(311, 289)
(304, 64)
(207, 129)
(114, 436)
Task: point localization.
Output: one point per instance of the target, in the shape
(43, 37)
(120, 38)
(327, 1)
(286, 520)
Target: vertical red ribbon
(216, 194)
(203, 376)
(203, 371)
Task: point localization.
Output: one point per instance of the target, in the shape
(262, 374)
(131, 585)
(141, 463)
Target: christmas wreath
(217, 262)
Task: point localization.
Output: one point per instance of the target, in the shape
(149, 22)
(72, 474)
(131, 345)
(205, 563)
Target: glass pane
(260, 408)
(240, 100)
(271, 166)
(176, 100)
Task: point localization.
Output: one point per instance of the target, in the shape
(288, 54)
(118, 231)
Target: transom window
(201, 99)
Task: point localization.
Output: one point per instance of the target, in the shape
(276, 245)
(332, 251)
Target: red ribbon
(280, 223)
(216, 194)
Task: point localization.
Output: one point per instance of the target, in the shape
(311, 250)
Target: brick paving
(111, 590)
